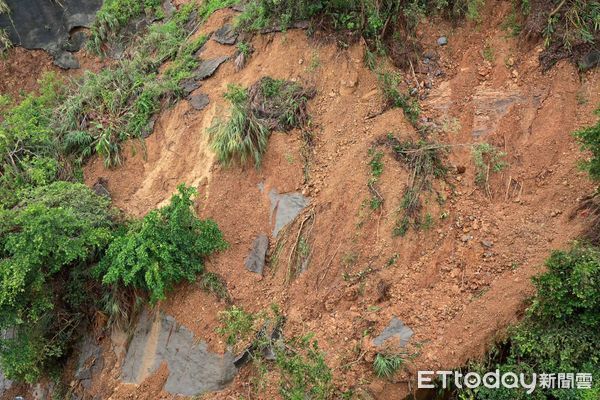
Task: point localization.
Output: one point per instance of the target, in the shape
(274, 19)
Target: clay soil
(459, 284)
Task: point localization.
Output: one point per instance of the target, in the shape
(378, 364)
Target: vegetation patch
(116, 14)
(134, 259)
(102, 110)
(269, 104)
(62, 248)
(47, 246)
(298, 362)
(488, 159)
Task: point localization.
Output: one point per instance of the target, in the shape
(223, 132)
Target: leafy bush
(46, 245)
(165, 247)
(590, 141)
(560, 330)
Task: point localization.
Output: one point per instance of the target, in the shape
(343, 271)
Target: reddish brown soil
(456, 298)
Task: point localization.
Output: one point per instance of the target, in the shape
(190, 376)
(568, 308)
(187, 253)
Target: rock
(188, 85)
(396, 330)
(193, 368)
(461, 169)
(168, 8)
(43, 24)
(255, 262)
(431, 55)
(90, 362)
(5, 384)
(285, 207)
(487, 244)
(149, 128)
(75, 42)
(466, 238)
(442, 41)
(66, 60)
(199, 101)
(100, 188)
(590, 60)
(225, 35)
(207, 68)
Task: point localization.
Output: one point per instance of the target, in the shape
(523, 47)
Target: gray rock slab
(66, 60)
(90, 362)
(285, 208)
(397, 331)
(193, 369)
(255, 262)
(188, 85)
(225, 35)
(199, 101)
(208, 67)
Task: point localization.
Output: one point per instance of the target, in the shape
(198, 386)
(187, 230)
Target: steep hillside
(455, 269)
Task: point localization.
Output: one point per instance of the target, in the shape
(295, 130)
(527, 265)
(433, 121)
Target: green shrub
(242, 136)
(590, 141)
(389, 83)
(237, 325)
(164, 248)
(46, 244)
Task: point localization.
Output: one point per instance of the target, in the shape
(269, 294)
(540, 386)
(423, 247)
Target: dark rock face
(225, 35)
(50, 25)
(255, 262)
(193, 368)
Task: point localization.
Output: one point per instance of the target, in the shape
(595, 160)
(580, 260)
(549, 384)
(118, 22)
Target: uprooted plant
(269, 104)
(424, 162)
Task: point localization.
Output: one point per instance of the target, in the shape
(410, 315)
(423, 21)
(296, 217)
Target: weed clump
(424, 162)
(269, 104)
(488, 159)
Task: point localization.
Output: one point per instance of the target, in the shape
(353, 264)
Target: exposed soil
(457, 293)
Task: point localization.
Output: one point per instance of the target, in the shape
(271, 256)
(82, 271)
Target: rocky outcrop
(50, 25)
